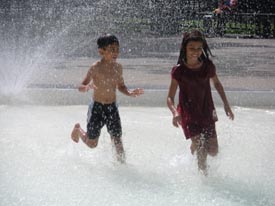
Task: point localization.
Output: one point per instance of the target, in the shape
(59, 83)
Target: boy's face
(110, 53)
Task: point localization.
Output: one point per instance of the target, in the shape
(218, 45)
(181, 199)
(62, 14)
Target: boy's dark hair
(106, 40)
(194, 35)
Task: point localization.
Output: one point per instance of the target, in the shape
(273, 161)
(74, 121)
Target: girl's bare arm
(171, 102)
(219, 88)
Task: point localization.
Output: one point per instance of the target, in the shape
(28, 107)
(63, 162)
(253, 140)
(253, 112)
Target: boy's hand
(92, 86)
(136, 92)
(86, 88)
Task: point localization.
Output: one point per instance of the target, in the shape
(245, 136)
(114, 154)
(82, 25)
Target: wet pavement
(242, 64)
(246, 68)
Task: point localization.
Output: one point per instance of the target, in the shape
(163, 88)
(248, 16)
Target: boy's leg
(120, 154)
(75, 133)
(79, 132)
(113, 124)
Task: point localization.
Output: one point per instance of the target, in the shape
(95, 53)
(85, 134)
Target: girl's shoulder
(209, 67)
(209, 63)
(175, 68)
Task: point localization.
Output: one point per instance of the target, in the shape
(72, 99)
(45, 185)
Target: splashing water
(35, 38)
(40, 165)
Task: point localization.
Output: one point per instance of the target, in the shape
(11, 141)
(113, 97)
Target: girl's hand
(136, 92)
(228, 112)
(177, 120)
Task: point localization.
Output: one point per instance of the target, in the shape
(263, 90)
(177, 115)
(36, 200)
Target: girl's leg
(118, 145)
(199, 146)
(79, 132)
(212, 146)
(212, 141)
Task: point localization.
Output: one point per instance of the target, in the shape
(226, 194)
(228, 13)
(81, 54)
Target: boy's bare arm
(85, 85)
(121, 85)
(123, 88)
(133, 93)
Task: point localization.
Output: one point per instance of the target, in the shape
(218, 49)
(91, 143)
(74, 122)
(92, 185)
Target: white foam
(40, 165)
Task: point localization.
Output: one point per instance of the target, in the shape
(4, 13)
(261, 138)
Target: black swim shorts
(103, 114)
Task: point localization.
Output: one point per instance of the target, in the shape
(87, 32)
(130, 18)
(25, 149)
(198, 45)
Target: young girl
(195, 111)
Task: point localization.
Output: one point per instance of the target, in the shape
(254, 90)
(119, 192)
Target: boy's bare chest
(110, 75)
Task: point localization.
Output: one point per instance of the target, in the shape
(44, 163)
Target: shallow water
(40, 165)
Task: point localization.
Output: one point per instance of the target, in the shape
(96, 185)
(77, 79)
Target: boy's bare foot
(121, 158)
(75, 133)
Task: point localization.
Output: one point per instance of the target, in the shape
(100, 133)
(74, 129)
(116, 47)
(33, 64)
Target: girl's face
(193, 51)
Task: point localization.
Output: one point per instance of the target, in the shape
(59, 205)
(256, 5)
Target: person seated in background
(226, 6)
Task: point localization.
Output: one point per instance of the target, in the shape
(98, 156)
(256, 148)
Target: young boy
(104, 76)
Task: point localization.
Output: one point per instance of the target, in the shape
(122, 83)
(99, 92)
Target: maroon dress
(195, 99)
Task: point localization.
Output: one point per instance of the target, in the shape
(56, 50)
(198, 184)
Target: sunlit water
(40, 165)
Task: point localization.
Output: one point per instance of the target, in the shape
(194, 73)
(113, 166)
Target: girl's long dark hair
(194, 35)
